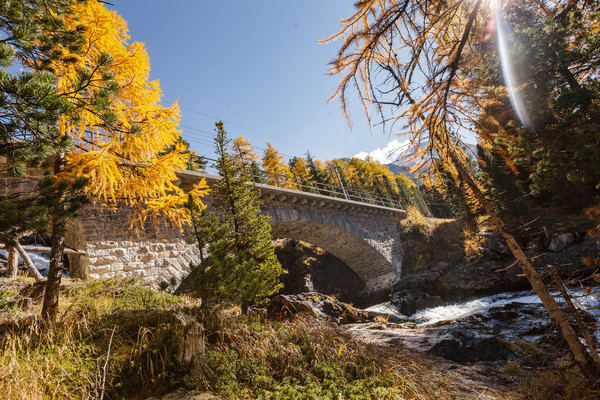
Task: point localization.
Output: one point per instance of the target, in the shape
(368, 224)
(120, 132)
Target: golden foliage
(273, 163)
(300, 168)
(125, 159)
(243, 152)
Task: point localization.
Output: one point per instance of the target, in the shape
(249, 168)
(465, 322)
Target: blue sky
(255, 65)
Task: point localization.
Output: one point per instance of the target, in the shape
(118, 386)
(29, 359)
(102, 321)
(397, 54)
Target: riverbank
(130, 342)
(115, 337)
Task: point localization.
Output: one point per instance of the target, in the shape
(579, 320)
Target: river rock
(495, 271)
(409, 301)
(472, 349)
(497, 245)
(562, 241)
(321, 306)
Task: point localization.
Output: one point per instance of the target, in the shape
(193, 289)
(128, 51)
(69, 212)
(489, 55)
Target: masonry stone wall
(154, 253)
(11, 185)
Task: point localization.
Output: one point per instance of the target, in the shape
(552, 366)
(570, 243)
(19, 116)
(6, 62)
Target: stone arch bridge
(364, 236)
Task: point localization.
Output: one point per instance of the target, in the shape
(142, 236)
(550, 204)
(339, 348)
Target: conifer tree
(243, 152)
(299, 169)
(243, 265)
(274, 165)
(206, 229)
(34, 37)
(317, 173)
(121, 140)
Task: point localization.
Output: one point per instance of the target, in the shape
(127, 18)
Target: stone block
(138, 273)
(105, 260)
(107, 245)
(108, 275)
(118, 266)
(173, 271)
(157, 247)
(147, 280)
(94, 276)
(131, 266)
(119, 252)
(147, 257)
(142, 250)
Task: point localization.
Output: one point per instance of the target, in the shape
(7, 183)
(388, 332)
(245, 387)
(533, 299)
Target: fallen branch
(106, 364)
(30, 265)
(42, 249)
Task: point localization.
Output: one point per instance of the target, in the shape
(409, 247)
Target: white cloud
(387, 154)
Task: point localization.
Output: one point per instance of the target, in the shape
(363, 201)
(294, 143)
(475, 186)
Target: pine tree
(122, 141)
(243, 265)
(206, 229)
(35, 37)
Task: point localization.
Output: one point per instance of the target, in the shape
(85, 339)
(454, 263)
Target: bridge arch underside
(367, 263)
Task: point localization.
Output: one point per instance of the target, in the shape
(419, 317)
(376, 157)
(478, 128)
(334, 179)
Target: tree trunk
(50, 305)
(576, 314)
(30, 265)
(12, 264)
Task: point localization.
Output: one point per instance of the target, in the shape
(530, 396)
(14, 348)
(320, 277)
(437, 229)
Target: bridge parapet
(270, 193)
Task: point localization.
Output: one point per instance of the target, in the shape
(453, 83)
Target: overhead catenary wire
(235, 124)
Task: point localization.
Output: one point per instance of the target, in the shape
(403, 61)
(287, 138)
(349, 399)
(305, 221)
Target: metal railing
(304, 185)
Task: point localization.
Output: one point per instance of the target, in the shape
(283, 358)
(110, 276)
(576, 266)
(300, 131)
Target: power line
(236, 125)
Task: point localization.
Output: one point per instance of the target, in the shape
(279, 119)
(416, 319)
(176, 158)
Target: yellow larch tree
(129, 154)
(243, 152)
(277, 170)
(299, 168)
(429, 90)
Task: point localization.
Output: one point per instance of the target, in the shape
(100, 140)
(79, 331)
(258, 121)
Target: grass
(248, 357)
(307, 359)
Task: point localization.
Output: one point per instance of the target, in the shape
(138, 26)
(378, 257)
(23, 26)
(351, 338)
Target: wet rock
(504, 316)
(472, 350)
(320, 305)
(409, 301)
(497, 244)
(494, 272)
(562, 241)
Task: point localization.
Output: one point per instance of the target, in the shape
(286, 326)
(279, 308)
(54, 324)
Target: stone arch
(362, 258)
